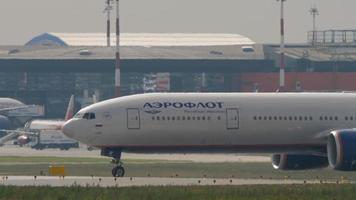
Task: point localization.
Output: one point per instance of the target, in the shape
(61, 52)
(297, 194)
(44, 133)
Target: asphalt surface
(11, 150)
(133, 181)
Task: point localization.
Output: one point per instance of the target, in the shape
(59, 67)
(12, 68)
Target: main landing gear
(118, 170)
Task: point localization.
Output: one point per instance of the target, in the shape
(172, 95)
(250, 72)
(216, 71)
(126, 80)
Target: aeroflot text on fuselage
(185, 105)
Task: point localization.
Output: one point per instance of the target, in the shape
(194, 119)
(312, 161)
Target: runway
(135, 181)
(11, 150)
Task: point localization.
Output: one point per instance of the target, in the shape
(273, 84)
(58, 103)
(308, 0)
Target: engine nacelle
(23, 139)
(341, 150)
(298, 162)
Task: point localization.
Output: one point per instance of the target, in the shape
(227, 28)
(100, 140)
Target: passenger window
(219, 118)
(346, 118)
(260, 118)
(311, 118)
(183, 118)
(178, 117)
(306, 118)
(188, 118)
(198, 118)
(173, 118)
(153, 117)
(209, 118)
(336, 118)
(163, 118)
(168, 118)
(275, 118)
(203, 118)
(158, 118)
(255, 118)
(351, 118)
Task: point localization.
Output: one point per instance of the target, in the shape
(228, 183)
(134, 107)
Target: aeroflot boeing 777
(303, 130)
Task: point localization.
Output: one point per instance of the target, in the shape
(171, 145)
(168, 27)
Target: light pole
(282, 51)
(108, 9)
(314, 12)
(117, 54)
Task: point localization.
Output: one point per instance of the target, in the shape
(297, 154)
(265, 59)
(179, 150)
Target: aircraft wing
(15, 108)
(13, 134)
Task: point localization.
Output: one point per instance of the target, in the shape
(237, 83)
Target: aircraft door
(232, 118)
(133, 118)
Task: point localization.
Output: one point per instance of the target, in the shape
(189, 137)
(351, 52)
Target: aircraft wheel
(118, 171)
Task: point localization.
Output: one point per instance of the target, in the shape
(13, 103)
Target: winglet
(70, 109)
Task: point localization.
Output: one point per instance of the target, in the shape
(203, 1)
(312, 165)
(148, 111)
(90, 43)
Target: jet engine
(298, 162)
(341, 150)
(22, 140)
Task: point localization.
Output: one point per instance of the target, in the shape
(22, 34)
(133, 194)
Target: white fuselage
(218, 121)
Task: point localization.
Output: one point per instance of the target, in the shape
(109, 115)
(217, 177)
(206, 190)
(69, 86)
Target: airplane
(301, 130)
(8, 105)
(31, 128)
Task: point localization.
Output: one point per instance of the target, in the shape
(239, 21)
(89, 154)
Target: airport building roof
(220, 52)
(154, 39)
(323, 54)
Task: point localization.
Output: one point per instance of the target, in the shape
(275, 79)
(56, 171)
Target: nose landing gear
(118, 170)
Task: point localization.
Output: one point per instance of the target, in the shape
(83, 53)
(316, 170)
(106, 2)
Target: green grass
(265, 192)
(155, 168)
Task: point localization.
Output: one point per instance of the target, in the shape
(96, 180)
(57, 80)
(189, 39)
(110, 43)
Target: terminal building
(51, 67)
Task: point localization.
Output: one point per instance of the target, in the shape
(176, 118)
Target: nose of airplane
(68, 129)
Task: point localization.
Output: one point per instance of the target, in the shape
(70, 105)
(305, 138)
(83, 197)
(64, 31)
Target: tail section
(70, 109)
(95, 99)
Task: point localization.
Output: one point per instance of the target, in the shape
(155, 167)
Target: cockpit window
(86, 116)
(78, 116)
(89, 116)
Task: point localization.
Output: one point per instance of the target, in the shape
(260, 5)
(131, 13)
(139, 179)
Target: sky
(256, 19)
